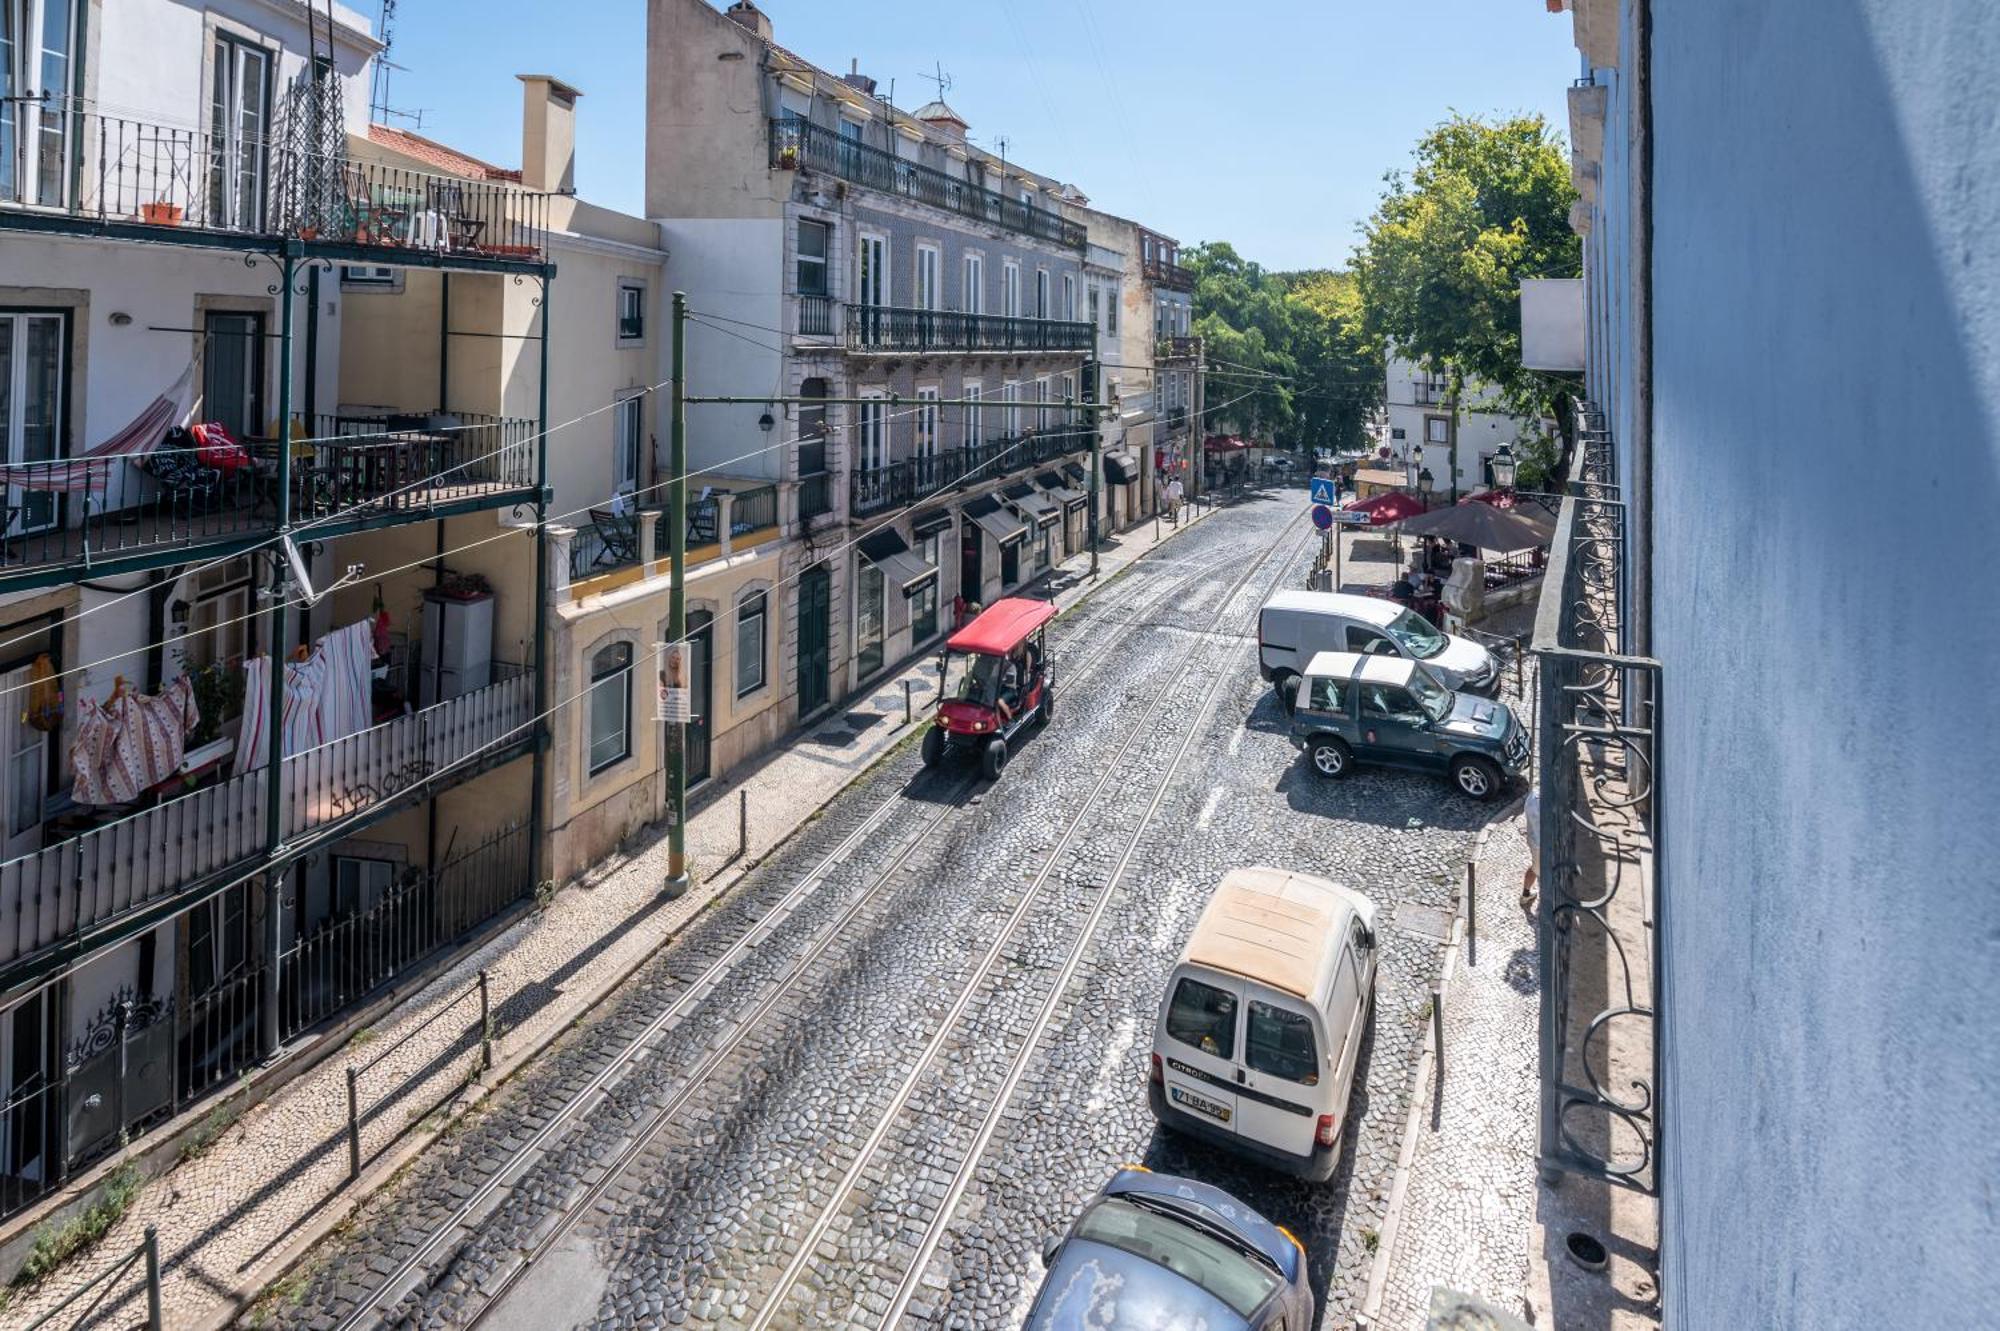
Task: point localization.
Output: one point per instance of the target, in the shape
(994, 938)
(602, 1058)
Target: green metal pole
(677, 874)
(539, 755)
(281, 590)
(1096, 458)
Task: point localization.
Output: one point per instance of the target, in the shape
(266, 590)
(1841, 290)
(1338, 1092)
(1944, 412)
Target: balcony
(899, 484)
(1169, 275)
(81, 887)
(896, 330)
(611, 543)
(112, 175)
(127, 511)
(1174, 349)
(799, 144)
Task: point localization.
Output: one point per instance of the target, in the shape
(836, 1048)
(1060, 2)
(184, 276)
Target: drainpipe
(539, 761)
(312, 356)
(444, 337)
(677, 874)
(274, 770)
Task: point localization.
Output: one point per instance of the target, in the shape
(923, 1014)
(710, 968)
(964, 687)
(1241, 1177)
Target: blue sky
(1269, 124)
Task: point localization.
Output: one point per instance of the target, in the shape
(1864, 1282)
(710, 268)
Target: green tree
(1440, 266)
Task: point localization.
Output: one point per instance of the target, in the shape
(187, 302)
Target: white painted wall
(1480, 433)
(732, 269)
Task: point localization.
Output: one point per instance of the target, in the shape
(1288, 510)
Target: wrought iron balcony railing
(904, 482)
(610, 542)
(1598, 711)
(797, 144)
(1169, 275)
(112, 169)
(898, 329)
(89, 510)
(1173, 348)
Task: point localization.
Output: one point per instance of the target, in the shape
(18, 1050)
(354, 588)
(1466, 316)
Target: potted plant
(464, 587)
(161, 214)
(788, 157)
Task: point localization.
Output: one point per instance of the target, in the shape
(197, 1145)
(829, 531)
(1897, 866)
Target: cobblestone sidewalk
(234, 1214)
(1468, 1216)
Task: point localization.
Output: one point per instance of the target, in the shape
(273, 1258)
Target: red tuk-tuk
(994, 679)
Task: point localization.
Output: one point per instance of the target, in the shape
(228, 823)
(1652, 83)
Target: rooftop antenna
(379, 110)
(942, 79)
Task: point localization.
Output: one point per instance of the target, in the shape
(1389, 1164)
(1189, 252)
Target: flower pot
(788, 159)
(161, 214)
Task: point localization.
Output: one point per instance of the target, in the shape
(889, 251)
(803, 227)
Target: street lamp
(1416, 461)
(1425, 483)
(1503, 468)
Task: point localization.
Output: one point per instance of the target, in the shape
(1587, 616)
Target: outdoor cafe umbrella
(1480, 525)
(1391, 506)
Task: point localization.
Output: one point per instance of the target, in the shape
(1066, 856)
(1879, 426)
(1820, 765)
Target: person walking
(1174, 492)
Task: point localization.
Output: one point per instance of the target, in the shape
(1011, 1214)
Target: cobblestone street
(909, 1044)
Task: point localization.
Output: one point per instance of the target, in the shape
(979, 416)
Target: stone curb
(244, 1291)
(1385, 1245)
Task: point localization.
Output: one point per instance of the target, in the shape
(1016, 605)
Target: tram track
(806, 1252)
(481, 1200)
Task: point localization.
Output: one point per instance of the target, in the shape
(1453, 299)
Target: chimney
(548, 133)
(749, 16)
(854, 78)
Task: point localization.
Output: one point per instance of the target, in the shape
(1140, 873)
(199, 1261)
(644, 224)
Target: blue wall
(1827, 434)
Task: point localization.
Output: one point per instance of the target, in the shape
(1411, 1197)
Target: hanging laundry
(328, 696)
(131, 742)
(44, 708)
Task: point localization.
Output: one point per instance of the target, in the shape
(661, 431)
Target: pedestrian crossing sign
(1323, 491)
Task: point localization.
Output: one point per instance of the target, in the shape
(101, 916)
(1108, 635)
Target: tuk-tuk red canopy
(1002, 626)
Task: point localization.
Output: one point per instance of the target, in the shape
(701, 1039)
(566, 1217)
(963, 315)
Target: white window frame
(930, 267)
(1069, 297)
(824, 259)
(972, 284)
(924, 443)
(231, 54)
(1111, 309)
(973, 414)
(631, 291)
(624, 729)
(628, 434)
(1010, 289)
(884, 293)
(365, 276)
(871, 430)
(1010, 395)
(1042, 293)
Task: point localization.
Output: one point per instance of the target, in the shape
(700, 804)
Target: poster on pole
(676, 700)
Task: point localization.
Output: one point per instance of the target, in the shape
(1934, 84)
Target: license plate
(1201, 1105)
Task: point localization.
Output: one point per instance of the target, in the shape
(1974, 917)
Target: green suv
(1391, 710)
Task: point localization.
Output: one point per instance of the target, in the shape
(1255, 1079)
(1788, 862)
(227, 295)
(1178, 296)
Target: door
(1285, 1072)
(239, 112)
(971, 577)
(31, 409)
(701, 693)
(23, 770)
(1198, 1048)
(1010, 562)
(815, 627)
(30, 1099)
(232, 376)
(871, 286)
(1396, 727)
(37, 40)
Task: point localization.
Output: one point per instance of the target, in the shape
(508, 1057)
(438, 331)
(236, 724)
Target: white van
(1296, 626)
(1263, 1017)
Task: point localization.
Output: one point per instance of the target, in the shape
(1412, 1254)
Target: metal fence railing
(141, 1263)
(903, 482)
(479, 1034)
(1598, 760)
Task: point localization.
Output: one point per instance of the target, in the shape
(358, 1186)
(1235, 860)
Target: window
(814, 238)
(1096, 304)
(1041, 293)
(1368, 642)
(1010, 290)
(1010, 411)
(1385, 702)
(868, 620)
(631, 311)
(610, 706)
(32, 352)
(218, 939)
(36, 41)
(927, 277)
(1327, 695)
(973, 299)
(1068, 306)
(1111, 312)
(367, 275)
(750, 625)
(627, 429)
(1434, 429)
(1203, 1017)
(924, 604)
(238, 112)
(972, 392)
(926, 423)
(1280, 1042)
(872, 432)
(812, 429)
(218, 630)
(1241, 1283)
(871, 272)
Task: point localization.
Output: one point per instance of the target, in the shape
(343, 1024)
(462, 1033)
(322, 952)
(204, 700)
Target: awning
(886, 551)
(1076, 472)
(930, 522)
(1121, 468)
(1034, 505)
(1001, 525)
(1061, 493)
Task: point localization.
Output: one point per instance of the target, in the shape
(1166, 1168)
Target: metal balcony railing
(797, 144)
(815, 495)
(1173, 348)
(68, 890)
(897, 484)
(1169, 275)
(114, 169)
(1598, 723)
(86, 510)
(902, 330)
(817, 315)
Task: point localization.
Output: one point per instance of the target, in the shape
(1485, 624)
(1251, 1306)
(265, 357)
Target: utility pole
(677, 874)
(1090, 377)
(281, 591)
(1198, 439)
(538, 779)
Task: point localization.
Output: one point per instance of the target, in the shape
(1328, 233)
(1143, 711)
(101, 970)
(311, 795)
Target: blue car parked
(1153, 1251)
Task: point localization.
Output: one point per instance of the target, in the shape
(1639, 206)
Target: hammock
(92, 471)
